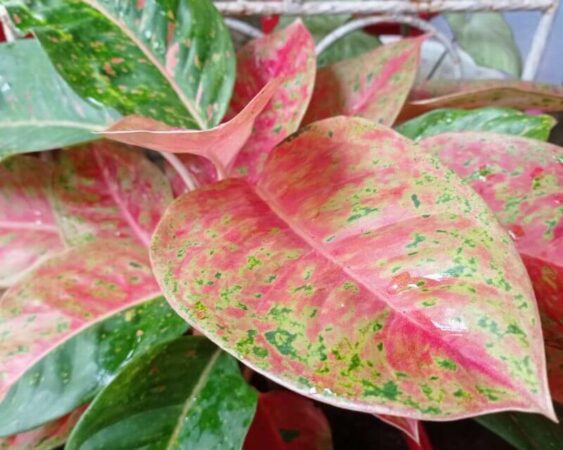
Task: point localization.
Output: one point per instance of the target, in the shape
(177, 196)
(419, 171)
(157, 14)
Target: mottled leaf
(38, 110)
(171, 61)
(408, 426)
(288, 53)
(522, 182)
(186, 394)
(220, 144)
(105, 190)
(28, 233)
(355, 273)
(555, 372)
(287, 421)
(69, 326)
(499, 120)
(45, 437)
(373, 85)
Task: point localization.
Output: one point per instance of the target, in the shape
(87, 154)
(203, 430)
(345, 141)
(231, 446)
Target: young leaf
(499, 120)
(28, 233)
(373, 85)
(354, 273)
(171, 61)
(45, 437)
(408, 426)
(184, 394)
(69, 326)
(555, 372)
(38, 110)
(522, 182)
(288, 53)
(220, 144)
(105, 190)
(287, 421)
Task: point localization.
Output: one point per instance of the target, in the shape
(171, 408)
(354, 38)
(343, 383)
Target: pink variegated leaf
(71, 324)
(522, 182)
(555, 372)
(105, 190)
(287, 421)
(406, 425)
(521, 95)
(28, 232)
(361, 272)
(288, 53)
(373, 85)
(220, 144)
(46, 437)
(200, 169)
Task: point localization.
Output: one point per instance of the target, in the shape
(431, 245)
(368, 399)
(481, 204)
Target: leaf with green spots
(373, 85)
(105, 190)
(69, 326)
(525, 431)
(168, 60)
(287, 421)
(46, 437)
(498, 120)
(38, 110)
(522, 182)
(28, 232)
(522, 95)
(186, 394)
(321, 310)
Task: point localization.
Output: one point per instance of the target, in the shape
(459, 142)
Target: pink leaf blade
(404, 424)
(374, 85)
(288, 53)
(28, 232)
(200, 169)
(343, 276)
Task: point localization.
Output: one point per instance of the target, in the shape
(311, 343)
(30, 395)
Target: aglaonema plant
(192, 206)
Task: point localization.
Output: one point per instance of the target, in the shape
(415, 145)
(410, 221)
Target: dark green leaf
(498, 120)
(170, 60)
(186, 394)
(38, 110)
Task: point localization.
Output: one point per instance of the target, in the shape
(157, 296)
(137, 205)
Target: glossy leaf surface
(28, 233)
(373, 85)
(171, 61)
(287, 421)
(105, 190)
(38, 110)
(220, 145)
(499, 120)
(287, 54)
(186, 394)
(71, 324)
(522, 182)
(354, 273)
(406, 425)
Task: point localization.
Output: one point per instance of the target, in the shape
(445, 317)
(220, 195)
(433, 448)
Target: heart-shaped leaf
(184, 394)
(38, 110)
(171, 61)
(28, 233)
(288, 53)
(499, 120)
(287, 421)
(69, 326)
(555, 372)
(355, 272)
(406, 425)
(45, 437)
(522, 182)
(220, 144)
(373, 85)
(105, 190)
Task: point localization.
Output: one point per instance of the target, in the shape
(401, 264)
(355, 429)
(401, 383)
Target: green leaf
(168, 60)
(525, 431)
(38, 110)
(488, 38)
(499, 120)
(186, 394)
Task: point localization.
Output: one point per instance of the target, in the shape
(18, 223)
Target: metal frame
(400, 11)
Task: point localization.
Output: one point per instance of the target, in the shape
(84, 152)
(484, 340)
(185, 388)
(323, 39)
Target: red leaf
(28, 233)
(360, 272)
(555, 372)
(287, 421)
(373, 85)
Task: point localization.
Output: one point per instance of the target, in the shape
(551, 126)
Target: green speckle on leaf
(415, 200)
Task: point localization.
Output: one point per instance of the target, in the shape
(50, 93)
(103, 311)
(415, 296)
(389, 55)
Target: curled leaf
(406, 425)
